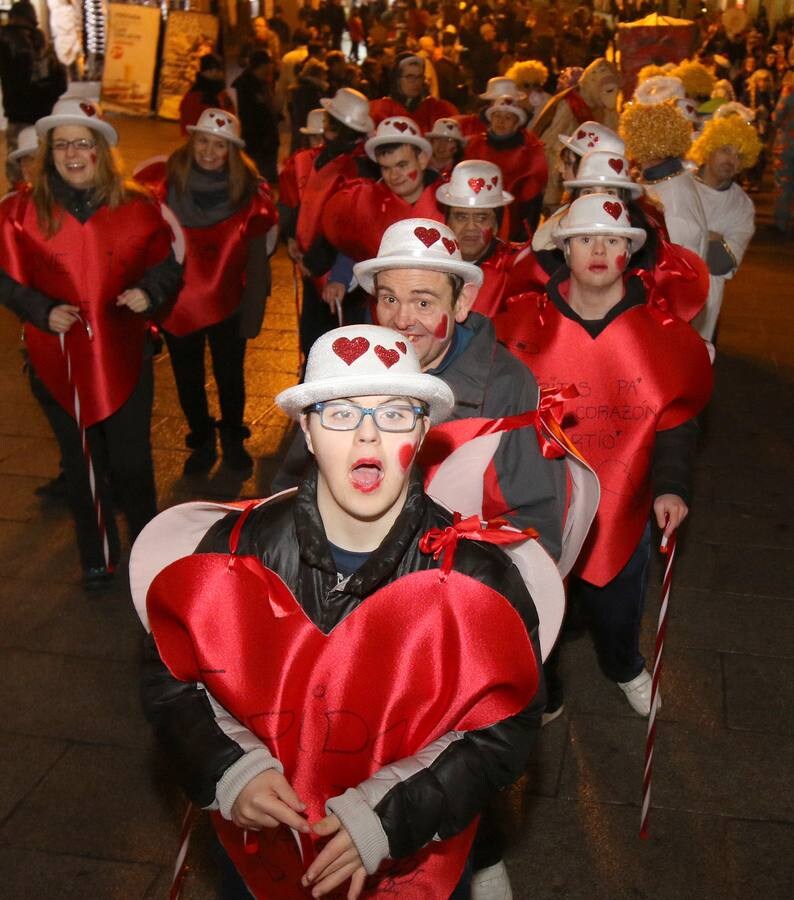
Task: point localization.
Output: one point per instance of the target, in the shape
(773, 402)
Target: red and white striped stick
(180, 866)
(667, 547)
(100, 516)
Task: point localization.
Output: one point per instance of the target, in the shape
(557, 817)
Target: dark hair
(344, 133)
(210, 61)
(456, 282)
(384, 149)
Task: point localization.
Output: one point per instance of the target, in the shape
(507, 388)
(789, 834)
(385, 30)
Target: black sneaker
(97, 578)
(202, 459)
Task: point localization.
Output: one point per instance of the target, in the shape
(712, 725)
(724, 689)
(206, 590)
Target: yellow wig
(529, 73)
(732, 131)
(698, 81)
(655, 131)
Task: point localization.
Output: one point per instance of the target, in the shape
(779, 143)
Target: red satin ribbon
(672, 266)
(444, 541)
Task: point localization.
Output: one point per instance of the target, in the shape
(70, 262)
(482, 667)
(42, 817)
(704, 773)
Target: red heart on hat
(221, 122)
(428, 236)
(450, 245)
(616, 164)
(349, 351)
(495, 180)
(488, 187)
(412, 130)
(476, 184)
(401, 347)
(88, 108)
(400, 126)
(387, 357)
(614, 209)
(581, 134)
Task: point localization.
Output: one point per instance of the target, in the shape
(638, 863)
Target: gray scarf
(206, 200)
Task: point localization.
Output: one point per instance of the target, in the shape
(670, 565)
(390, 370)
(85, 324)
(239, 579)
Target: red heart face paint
(621, 260)
(406, 455)
(413, 175)
(441, 329)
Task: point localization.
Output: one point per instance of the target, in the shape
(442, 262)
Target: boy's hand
(134, 299)
(672, 505)
(338, 861)
(62, 317)
(268, 801)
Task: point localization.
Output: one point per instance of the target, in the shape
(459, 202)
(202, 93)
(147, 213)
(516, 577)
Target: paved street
(87, 810)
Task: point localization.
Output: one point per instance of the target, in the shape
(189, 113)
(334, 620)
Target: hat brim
(47, 123)
(489, 201)
(568, 142)
(216, 132)
(20, 152)
(364, 126)
(461, 140)
(520, 95)
(365, 271)
(373, 143)
(427, 388)
(631, 186)
(637, 236)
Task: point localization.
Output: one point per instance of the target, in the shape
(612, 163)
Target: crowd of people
(517, 253)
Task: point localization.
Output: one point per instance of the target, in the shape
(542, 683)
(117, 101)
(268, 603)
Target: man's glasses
(81, 144)
(337, 415)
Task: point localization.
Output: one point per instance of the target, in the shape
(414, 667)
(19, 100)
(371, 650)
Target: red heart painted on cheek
(349, 351)
(476, 184)
(400, 126)
(613, 209)
(387, 357)
(450, 245)
(428, 236)
(401, 347)
(88, 109)
(616, 164)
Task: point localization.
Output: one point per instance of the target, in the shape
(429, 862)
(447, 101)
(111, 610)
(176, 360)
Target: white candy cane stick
(667, 547)
(180, 867)
(100, 517)
(339, 314)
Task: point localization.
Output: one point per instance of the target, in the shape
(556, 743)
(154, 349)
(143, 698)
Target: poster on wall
(188, 37)
(128, 76)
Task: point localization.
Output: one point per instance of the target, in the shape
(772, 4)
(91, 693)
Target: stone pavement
(87, 809)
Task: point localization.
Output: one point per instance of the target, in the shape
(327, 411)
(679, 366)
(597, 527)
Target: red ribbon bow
(444, 541)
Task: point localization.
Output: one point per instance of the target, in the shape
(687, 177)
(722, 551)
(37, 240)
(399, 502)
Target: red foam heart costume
(510, 269)
(424, 114)
(647, 371)
(215, 259)
(336, 708)
(87, 265)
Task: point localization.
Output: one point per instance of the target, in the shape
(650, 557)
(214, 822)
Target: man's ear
(304, 424)
(465, 302)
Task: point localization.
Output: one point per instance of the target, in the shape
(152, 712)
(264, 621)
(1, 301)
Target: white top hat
(600, 168)
(502, 87)
(315, 122)
(365, 361)
(351, 108)
(397, 130)
(219, 123)
(74, 111)
(733, 108)
(506, 103)
(446, 128)
(659, 88)
(27, 143)
(417, 244)
(593, 136)
(475, 183)
(598, 214)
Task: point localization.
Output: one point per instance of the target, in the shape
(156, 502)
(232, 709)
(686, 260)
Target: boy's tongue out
(366, 474)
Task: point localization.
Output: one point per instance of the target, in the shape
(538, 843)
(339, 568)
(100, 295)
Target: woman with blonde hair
(229, 223)
(86, 257)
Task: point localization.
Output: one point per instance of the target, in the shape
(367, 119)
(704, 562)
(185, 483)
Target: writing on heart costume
(87, 265)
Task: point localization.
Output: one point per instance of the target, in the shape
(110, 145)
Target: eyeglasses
(393, 417)
(411, 77)
(81, 144)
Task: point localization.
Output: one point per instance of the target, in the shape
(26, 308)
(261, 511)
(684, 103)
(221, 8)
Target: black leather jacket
(288, 536)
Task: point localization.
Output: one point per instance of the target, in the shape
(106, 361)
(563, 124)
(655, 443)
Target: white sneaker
(491, 884)
(638, 693)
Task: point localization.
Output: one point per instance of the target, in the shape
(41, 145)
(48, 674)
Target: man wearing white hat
(337, 709)
(25, 154)
(314, 129)
(309, 178)
(447, 141)
(646, 375)
(519, 155)
(409, 95)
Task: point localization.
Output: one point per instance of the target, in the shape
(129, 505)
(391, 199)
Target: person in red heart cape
(308, 180)
(409, 96)
(229, 222)
(332, 716)
(86, 257)
(643, 376)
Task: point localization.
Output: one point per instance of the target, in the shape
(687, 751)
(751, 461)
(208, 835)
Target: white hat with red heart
(365, 361)
(593, 136)
(77, 111)
(600, 168)
(219, 123)
(351, 108)
(417, 244)
(475, 183)
(507, 104)
(501, 87)
(397, 130)
(447, 128)
(598, 214)
(315, 122)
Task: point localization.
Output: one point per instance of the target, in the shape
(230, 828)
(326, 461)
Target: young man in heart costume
(321, 670)
(643, 376)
